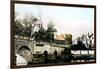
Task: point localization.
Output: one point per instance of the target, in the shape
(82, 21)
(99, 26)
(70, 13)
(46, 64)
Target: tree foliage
(45, 35)
(68, 38)
(23, 27)
(18, 28)
(40, 35)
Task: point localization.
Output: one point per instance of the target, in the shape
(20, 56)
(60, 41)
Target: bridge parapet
(39, 46)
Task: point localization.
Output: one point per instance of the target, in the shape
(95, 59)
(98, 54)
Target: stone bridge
(38, 47)
(28, 47)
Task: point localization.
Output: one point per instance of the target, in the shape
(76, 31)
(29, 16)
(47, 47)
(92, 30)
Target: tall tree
(29, 24)
(50, 32)
(18, 25)
(24, 27)
(68, 38)
(18, 28)
(45, 35)
(40, 35)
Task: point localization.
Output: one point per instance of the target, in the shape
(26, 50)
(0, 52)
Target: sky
(67, 20)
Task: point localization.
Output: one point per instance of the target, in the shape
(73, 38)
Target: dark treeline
(24, 27)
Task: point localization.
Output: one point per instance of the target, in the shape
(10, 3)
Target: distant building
(60, 39)
(63, 39)
(86, 40)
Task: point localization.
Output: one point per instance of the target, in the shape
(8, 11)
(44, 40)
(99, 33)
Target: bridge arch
(45, 53)
(55, 52)
(26, 53)
(24, 47)
(45, 56)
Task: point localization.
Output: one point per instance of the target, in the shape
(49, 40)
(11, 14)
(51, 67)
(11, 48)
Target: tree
(24, 27)
(29, 24)
(68, 38)
(90, 36)
(40, 35)
(18, 27)
(45, 35)
(50, 28)
(50, 32)
(67, 55)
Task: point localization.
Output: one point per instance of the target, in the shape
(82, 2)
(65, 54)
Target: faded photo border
(12, 27)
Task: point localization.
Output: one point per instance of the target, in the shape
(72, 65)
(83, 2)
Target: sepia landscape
(53, 34)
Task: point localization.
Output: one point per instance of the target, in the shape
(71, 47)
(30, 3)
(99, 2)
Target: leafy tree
(68, 38)
(50, 28)
(45, 35)
(67, 55)
(50, 32)
(24, 27)
(18, 27)
(40, 35)
(29, 24)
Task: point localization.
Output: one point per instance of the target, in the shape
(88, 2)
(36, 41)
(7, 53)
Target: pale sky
(71, 20)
